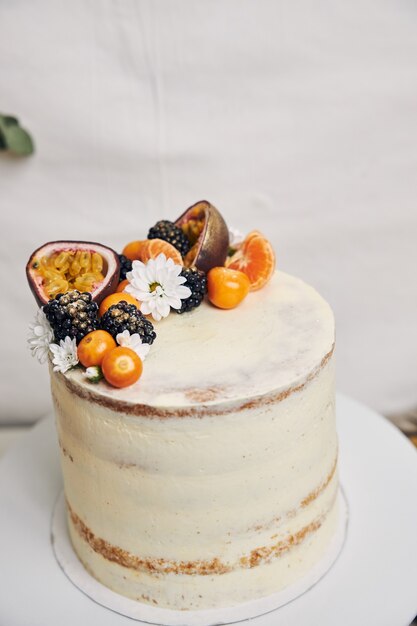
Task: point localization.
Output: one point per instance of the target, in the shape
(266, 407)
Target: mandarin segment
(158, 246)
(252, 234)
(255, 258)
(133, 250)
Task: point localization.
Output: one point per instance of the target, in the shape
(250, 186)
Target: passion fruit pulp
(208, 234)
(61, 266)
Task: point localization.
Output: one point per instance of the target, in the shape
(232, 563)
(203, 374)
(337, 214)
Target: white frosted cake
(213, 479)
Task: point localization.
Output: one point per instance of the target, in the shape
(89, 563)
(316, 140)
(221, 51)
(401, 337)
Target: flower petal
(183, 292)
(143, 350)
(163, 307)
(175, 303)
(123, 339)
(145, 307)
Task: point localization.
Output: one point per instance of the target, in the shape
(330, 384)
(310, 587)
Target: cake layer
(201, 499)
(185, 592)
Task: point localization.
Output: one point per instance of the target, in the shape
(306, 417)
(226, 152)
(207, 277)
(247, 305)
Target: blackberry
(197, 282)
(168, 231)
(125, 266)
(124, 316)
(72, 314)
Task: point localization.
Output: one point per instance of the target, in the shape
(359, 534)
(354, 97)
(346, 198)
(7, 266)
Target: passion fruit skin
(213, 243)
(108, 285)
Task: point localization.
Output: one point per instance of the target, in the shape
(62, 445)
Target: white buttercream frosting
(272, 341)
(251, 491)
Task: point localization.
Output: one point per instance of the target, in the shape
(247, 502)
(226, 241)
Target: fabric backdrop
(295, 118)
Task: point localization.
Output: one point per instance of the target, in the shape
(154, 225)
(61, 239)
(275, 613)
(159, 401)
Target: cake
(212, 480)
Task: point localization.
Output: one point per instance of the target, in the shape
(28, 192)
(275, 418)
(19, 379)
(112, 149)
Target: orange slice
(133, 250)
(156, 246)
(253, 233)
(255, 258)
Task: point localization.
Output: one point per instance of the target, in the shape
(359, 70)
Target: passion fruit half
(61, 266)
(208, 234)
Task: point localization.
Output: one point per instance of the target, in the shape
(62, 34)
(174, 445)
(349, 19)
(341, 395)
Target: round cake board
(78, 575)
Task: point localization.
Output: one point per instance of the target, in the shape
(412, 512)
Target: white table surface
(9, 436)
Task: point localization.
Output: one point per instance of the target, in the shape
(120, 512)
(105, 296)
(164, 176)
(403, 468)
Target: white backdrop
(296, 118)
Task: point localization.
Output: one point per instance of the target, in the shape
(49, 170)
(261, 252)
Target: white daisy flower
(236, 237)
(134, 342)
(41, 335)
(64, 355)
(157, 285)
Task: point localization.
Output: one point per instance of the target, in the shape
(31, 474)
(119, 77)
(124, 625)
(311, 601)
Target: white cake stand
(373, 582)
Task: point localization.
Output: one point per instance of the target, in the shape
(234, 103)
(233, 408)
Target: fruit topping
(125, 266)
(94, 346)
(256, 258)
(124, 316)
(227, 288)
(207, 234)
(155, 247)
(72, 314)
(133, 250)
(196, 281)
(63, 266)
(121, 367)
(122, 286)
(168, 231)
(115, 298)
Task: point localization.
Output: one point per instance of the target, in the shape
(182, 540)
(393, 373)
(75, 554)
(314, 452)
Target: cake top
(203, 306)
(270, 343)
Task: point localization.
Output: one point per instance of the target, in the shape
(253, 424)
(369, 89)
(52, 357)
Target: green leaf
(8, 120)
(17, 139)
